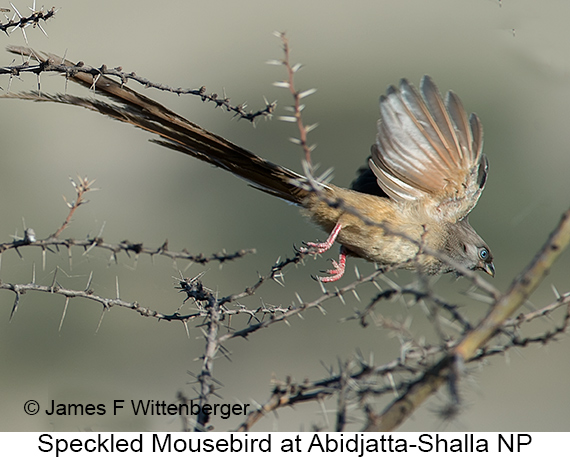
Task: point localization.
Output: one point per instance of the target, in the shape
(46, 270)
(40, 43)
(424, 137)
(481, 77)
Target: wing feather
(428, 149)
(441, 121)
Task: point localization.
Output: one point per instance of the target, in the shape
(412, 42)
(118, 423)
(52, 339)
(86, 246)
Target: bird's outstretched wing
(429, 150)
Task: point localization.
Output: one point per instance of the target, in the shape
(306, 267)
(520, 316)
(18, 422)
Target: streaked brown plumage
(426, 173)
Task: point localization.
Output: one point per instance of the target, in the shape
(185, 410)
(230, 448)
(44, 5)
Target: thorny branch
(70, 70)
(213, 312)
(297, 107)
(126, 246)
(18, 21)
(82, 186)
(368, 381)
(374, 380)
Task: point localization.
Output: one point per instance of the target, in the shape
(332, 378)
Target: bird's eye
(483, 254)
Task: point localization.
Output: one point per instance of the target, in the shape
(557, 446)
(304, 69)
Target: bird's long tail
(175, 132)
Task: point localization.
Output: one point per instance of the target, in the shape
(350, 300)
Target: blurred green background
(508, 62)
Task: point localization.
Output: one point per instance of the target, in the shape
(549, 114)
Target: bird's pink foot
(338, 268)
(319, 248)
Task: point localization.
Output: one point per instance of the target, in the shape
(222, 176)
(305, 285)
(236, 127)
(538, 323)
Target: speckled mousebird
(425, 174)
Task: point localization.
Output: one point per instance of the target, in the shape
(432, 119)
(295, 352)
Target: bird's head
(466, 247)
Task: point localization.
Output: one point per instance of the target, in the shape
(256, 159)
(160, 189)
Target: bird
(408, 208)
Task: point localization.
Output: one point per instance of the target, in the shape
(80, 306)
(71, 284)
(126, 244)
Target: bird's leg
(319, 248)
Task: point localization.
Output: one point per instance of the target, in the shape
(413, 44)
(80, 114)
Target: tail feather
(175, 131)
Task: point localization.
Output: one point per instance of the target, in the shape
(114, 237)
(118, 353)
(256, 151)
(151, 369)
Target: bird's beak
(489, 268)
